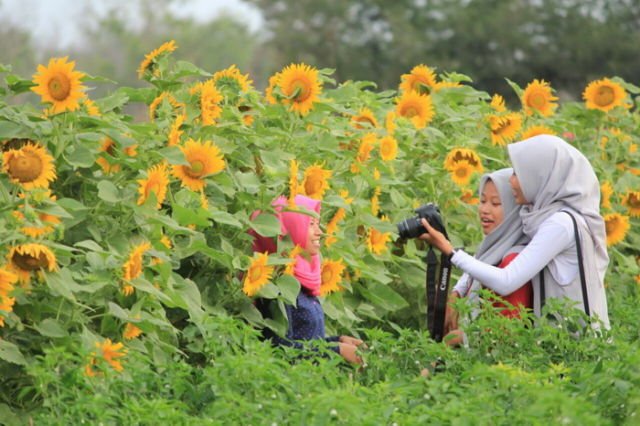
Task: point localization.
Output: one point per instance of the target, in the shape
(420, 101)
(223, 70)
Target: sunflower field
(127, 277)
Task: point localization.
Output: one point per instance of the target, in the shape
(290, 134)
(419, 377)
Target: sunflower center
(59, 87)
(29, 263)
(327, 275)
(196, 169)
(301, 90)
(462, 172)
(611, 226)
(537, 101)
(313, 186)
(410, 111)
(634, 201)
(502, 126)
(25, 167)
(255, 273)
(605, 96)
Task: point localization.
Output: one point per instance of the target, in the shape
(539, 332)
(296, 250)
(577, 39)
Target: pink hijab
(296, 225)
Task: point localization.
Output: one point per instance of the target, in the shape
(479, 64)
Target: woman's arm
(551, 239)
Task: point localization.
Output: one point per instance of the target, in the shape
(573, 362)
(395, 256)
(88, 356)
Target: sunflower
(151, 58)
(274, 81)
(331, 275)
(156, 183)
(332, 227)
(300, 87)
(164, 96)
(364, 119)
(258, 274)
(295, 252)
(132, 268)
(30, 166)
(91, 107)
(109, 148)
(47, 220)
(416, 107)
(532, 131)
(604, 95)
(504, 128)
(538, 96)
(210, 103)
(7, 281)
(632, 201)
(468, 197)
(174, 132)
(497, 103)
(204, 159)
(231, 78)
(377, 241)
(59, 84)
(388, 148)
(316, 181)
(344, 194)
(29, 257)
(110, 352)
(617, 226)
(461, 173)
(131, 331)
(606, 191)
(421, 79)
(293, 183)
(390, 122)
(375, 201)
(367, 143)
(457, 155)
(166, 241)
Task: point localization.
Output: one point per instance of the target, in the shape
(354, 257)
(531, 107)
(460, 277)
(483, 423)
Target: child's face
(313, 236)
(490, 210)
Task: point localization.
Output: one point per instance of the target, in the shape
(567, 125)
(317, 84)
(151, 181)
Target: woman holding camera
(566, 257)
(501, 224)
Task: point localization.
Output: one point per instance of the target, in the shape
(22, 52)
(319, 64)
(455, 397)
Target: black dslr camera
(438, 274)
(412, 227)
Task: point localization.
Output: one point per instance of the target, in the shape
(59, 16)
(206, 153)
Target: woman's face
(490, 210)
(517, 190)
(313, 236)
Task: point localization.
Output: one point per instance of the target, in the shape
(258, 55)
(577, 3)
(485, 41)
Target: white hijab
(554, 175)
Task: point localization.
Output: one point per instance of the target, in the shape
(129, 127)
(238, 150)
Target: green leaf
(81, 157)
(117, 311)
(10, 352)
(289, 287)
(17, 84)
(185, 216)
(266, 224)
(108, 192)
(116, 100)
(51, 328)
(173, 155)
(269, 291)
(90, 245)
(220, 216)
(61, 282)
(9, 130)
(384, 297)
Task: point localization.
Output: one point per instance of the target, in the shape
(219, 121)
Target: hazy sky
(56, 21)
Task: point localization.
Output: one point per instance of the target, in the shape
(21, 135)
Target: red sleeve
(522, 297)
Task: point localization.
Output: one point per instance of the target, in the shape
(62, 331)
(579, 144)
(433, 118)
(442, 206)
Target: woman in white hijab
(560, 195)
(501, 224)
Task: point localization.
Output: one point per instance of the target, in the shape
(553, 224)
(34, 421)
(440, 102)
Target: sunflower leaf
(10, 352)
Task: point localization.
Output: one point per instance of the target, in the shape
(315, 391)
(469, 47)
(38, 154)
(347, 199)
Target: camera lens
(410, 228)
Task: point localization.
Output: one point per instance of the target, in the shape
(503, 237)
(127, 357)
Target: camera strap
(437, 293)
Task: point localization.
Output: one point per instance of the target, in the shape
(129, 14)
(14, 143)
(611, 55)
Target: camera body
(412, 227)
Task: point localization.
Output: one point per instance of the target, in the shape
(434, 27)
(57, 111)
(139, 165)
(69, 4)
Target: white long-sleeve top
(553, 246)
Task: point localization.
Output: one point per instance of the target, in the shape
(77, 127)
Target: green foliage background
(199, 358)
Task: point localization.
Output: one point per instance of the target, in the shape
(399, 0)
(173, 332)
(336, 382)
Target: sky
(57, 21)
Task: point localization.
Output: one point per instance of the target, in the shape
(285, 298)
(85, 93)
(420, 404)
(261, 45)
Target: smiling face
(314, 234)
(517, 190)
(490, 209)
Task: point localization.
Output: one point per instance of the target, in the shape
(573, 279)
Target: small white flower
(333, 412)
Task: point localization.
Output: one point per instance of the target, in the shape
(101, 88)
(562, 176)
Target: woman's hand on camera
(435, 238)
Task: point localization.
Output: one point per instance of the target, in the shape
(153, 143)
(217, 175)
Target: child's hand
(349, 352)
(353, 341)
(451, 315)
